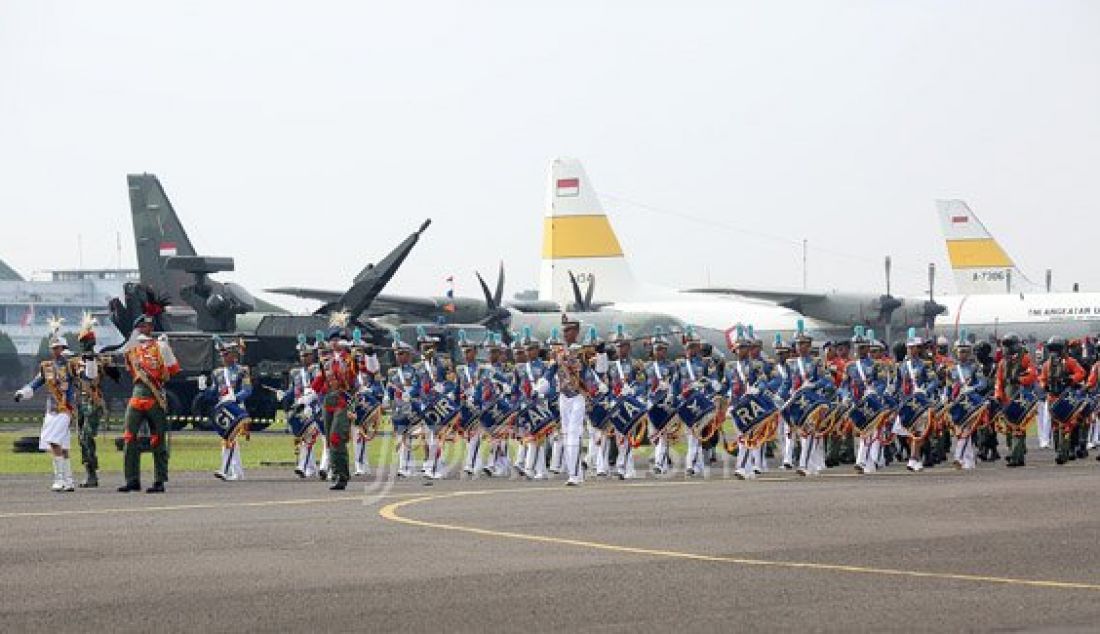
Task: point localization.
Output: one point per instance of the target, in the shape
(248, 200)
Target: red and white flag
(958, 220)
(28, 316)
(167, 249)
(569, 186)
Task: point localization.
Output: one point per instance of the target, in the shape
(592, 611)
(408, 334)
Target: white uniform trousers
(1045, 435)
(571, 411)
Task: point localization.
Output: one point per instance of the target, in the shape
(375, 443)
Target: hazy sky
(306, 139)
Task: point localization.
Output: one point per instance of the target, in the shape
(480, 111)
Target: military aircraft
(994, 297)
(579, 244)
(172, 273)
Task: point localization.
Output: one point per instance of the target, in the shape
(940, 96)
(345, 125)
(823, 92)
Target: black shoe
(90, 483)
(158, 487)
(1060, 460)
(301, 473)
(995, 456)
(1082, 453)
(323, 474)
(830, 463)
(130, 486)
(339, 485)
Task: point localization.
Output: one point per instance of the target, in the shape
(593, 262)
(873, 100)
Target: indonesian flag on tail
(958, 220)
(167, 249)
(569, 187)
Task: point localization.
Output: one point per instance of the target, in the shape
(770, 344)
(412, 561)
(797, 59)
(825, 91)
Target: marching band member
(779, 383)
(861, 378)
(496, 383)
(58, 375)
(369, 393)
(1015, 373)
(1093, 431)
(627, 376)
(433, 372)
(536, 388)
(229, 386)
(660, 375)
(917, 379)
(334, 384)
(807, 371)
(745, 376)
(303, 409)
(839, 446)
(571, 400)
(555, 346)
(691, 377)
(965, 376)
(1060, 373)
(402, 386)
(596, 382)
(469, 388)
(522, 389)
(151, 363)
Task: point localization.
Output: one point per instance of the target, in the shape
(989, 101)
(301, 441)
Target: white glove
(24, 392)
(280, 395)
(506, 390)
(752, 391)
(202, 381)
(542, 386)
(602, 389)
(438, 387)
(628, 390)
(308, 395)
(470, 401)
(715, 385)
(662, 385)
(386, 400)
(163, 338)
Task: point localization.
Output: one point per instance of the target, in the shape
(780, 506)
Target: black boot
(339, 485)
(91, 481)
(130, 486)
(158, 487)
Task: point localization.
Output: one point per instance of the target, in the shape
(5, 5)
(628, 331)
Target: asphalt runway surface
(995, 550)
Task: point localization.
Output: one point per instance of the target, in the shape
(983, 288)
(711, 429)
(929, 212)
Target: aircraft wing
(320, 295)
(781, 297)
(384, 304)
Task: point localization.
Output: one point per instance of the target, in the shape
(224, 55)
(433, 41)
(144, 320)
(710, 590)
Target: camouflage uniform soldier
(1015, 372)
(92, 407)
(151, 363)
(335, 384)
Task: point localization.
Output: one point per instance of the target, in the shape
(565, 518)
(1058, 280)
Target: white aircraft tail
(980, 265)
(577, 236)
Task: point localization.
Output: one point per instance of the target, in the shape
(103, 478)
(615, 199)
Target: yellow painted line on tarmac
(390, 512)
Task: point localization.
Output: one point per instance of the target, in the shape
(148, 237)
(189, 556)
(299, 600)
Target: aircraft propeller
(931, 308)
(583, 302)
(887, 304)
(498, 317)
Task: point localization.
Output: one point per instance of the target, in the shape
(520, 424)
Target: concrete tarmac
(997, 549)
